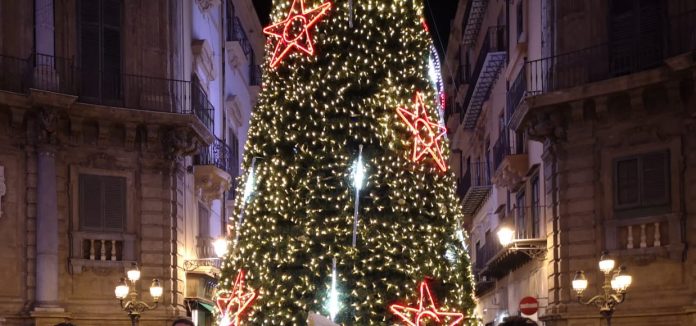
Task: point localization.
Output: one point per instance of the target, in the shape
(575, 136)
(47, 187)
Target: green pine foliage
(313, 114)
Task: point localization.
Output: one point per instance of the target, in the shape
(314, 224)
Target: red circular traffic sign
(529, 305)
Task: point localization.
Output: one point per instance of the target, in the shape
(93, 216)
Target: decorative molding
(512, 171)
(48, 126)
(233, 107)
(203, 58)
(235, 54)
(206, 5)
(211, 182)
(180, 142)
(3, 187)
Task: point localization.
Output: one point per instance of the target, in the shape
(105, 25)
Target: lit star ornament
(293, 32)
(426, 311)
(426, 134)
(232, 304)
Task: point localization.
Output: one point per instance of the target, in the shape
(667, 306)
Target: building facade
(123, 124)
(572, 123)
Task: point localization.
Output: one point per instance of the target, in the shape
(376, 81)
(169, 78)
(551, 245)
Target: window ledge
(78, 265)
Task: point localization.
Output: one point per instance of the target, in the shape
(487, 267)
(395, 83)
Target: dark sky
(439, 11)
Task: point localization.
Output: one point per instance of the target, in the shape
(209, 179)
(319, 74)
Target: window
(229, 19)
(102, 203)
(520, 224)
(520, 19)
(99, 37)
(641, 184)
(233, 163)
(536, 209)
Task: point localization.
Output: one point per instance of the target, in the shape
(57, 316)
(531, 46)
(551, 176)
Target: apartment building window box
(102, 236)
(643, 206)
(474, 186)
(212, 170)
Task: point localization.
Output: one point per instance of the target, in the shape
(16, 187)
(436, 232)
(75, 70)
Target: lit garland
(313, 113)
(287, 32)
(426, 311)
(426, 134)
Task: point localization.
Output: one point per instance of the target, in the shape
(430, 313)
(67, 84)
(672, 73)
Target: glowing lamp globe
(122, 289)
(220, 247)
(506, 235)
(606, 264)
(579, 282)
(133, 273)
(156, 289)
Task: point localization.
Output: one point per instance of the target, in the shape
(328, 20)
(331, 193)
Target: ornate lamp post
(133, 306)
(614, 279)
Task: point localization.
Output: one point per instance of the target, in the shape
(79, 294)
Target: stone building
(574, 124)
(122, 123)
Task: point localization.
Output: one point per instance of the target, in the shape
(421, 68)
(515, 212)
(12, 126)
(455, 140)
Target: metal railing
(111, 88)
(593, 64)
(477, 175)
(218, 154)
(235, 32)
(504, 147)
(517, 90)
(485, 253)
(682, 28)
(493, 42)
(255, 74)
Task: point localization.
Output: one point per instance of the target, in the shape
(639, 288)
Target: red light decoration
(426, 311)
(293, 32)
(234, 303)
(426, 133)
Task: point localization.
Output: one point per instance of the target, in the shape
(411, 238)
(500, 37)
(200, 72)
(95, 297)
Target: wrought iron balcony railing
(477, 175)
(218, 154)
(517, 91)
(504, 147)
(111, 88)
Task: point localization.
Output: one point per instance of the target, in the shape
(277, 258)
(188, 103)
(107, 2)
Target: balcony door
(99, 37)
(635, 35)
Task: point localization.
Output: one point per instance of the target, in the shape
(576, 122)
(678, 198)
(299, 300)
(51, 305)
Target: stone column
(46, 231)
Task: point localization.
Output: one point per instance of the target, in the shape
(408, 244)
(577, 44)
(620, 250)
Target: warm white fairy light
(311, 114)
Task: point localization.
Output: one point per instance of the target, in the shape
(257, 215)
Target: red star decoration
(426, 311)
(232, 304)
(288, 33)
(426, 133)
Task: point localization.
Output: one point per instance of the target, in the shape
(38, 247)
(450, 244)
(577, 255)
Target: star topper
(426, 311)
(293, 32)
(232, 304)
(426, 133)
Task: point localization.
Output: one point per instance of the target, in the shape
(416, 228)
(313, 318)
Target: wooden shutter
(655, 179)
(627, 193)
(114, 202)
(90, 202)
(111, 49)
(203, 221)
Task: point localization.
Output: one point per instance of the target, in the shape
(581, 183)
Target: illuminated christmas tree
(346, 163)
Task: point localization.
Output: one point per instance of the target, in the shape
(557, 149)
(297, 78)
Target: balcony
(212, 170)
(114, 89)
(489, 63)
(473, 17)
(510, 162)
(495, 261)
(473, 187)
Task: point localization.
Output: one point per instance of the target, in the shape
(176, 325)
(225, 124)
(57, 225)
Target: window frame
(102, 228)
(641, 208)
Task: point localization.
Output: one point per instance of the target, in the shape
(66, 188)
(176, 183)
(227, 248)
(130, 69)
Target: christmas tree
(345, 166)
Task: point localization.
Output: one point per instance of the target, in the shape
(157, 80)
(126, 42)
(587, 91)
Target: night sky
(439, 11)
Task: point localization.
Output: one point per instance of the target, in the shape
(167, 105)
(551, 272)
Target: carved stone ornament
(180, 142)
(3, 187)
(546, 127)
(512, 171)
(48, 126)
(211, 182)
(206, 5)
(203, 58)
(233, 107)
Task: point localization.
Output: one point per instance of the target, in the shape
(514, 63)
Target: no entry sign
(529, 305)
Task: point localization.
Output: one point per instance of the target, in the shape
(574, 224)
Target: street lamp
(534, 248)
(614, 279)
(135, 307)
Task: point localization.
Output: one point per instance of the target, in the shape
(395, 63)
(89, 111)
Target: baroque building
(122, 123)
(573, 124)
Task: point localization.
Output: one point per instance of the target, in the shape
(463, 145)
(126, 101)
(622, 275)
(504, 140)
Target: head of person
(183, 322)
(65, 324)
